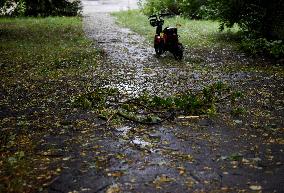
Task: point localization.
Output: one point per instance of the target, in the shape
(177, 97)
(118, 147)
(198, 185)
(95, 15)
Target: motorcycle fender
(158, 39)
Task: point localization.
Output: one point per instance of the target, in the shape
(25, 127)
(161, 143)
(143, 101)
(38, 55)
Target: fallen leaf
(188, 117)
(66, 158)
(115, 188)
(115, 174)
(181, 170)
(255, 187)
(238, 121)
(161, 180)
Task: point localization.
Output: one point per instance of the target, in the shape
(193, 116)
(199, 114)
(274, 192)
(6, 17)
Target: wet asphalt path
(184, 156)
(131, 64)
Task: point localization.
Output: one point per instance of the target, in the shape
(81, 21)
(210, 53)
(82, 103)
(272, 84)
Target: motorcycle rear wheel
(178, 53)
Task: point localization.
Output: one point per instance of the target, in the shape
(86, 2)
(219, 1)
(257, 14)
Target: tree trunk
(274, 19)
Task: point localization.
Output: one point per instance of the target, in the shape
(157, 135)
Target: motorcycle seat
(170, 30)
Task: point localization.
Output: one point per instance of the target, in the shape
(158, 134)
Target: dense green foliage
(40, 7)
(261, 22)
(256, 46)
(253, 16)
(195, 9)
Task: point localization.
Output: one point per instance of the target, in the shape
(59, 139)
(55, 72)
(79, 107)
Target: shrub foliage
(194, 9)
(40, 7)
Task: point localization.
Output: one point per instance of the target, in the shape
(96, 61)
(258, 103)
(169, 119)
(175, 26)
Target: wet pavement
(134, 68)
(103, 6)
(198, 154)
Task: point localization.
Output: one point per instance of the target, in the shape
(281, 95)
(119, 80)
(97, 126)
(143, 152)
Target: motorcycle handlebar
(159, 15)
(165, 14)
(152, 16)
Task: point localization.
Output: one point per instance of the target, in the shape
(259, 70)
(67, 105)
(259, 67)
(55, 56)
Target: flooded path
(198, 154)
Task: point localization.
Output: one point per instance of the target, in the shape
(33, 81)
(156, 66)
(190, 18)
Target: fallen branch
(144, 122)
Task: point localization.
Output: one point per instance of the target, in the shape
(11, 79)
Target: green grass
(195, 33)
(50, 46)
(34, 51)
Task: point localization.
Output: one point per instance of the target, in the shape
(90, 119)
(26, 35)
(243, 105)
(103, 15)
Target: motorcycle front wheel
(159, 51)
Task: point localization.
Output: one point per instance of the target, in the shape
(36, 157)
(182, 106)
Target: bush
(261, 17)
(12, 7)
(54, 8)
(40, 8)
(20, 9)
(194, 9)
(150, 7)
(255, 46)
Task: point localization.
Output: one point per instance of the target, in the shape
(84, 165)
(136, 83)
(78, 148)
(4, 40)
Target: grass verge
(53, 47)
(194, 33)
(42, 63)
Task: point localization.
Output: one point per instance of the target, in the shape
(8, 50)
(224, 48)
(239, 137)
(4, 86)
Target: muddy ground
(224, 153)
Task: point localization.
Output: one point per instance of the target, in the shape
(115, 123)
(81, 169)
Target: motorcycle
(167, 39)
